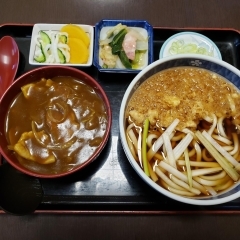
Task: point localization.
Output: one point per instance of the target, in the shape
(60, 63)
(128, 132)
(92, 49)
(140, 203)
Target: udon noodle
(183, 129)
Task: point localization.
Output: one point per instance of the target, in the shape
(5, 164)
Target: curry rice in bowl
(55, 121)
(180, 127)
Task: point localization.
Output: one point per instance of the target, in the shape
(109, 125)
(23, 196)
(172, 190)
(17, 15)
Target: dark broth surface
(61, 122)
(187, 93)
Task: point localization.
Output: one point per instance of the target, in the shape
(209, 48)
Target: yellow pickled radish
(75, 31)
(78, 51)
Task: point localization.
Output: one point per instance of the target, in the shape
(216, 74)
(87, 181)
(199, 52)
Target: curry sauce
(55, 124)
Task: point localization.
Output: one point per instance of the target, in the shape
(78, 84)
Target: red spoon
(20, 194)
(9, 59)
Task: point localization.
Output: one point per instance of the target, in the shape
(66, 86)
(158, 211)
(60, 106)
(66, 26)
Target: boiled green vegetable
(124, 59)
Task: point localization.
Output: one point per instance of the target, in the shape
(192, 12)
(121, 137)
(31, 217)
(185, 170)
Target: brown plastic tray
(110, 185)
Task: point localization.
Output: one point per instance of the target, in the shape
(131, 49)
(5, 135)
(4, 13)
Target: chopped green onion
(180, 148)
(169, 150)
(228, 157)
(144, 147)
(159, 142)
(189, 171)
(139, 151)
(218, 157)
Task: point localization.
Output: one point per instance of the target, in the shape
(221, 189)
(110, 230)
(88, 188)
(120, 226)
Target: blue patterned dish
(205, 62)
(100, 33)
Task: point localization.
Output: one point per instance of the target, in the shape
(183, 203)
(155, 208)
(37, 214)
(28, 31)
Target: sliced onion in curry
(55, 146)
(63, 107)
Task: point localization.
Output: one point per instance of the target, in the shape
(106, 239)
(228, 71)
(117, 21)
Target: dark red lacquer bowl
(36, 75)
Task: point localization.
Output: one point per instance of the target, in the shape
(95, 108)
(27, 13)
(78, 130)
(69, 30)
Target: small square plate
(56, 27)
(101, 29)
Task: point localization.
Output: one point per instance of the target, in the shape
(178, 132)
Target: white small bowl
(187, 38)
(209, 63)
(56, 27)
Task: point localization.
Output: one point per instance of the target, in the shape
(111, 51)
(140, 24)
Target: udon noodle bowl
(182, 127)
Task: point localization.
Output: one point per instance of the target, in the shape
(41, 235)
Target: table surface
(160, 13)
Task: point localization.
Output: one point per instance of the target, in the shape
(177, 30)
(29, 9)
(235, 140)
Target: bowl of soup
(55, 120)
(179, 127)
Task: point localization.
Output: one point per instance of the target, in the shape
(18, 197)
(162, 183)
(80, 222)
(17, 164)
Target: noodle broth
(201, 102)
